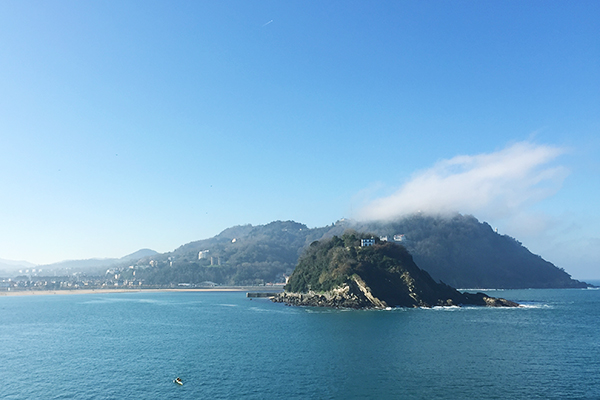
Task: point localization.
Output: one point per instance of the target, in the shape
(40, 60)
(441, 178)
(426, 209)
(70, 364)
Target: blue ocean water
(225, 346)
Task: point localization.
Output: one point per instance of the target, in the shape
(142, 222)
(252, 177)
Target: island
(360, 271)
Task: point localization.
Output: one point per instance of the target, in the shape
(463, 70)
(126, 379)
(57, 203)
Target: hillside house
(367, 242)
(399, 238)
(203, 254)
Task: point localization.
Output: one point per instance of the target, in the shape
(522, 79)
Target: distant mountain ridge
(100, 262)
(466, 253)
(459, 251)
(10, 267)
(14, 263)
(7, 267)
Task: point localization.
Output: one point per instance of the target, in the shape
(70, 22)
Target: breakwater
(261, 294)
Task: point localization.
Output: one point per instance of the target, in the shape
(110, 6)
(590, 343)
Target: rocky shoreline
(355, 294)
(334, 300)
(355, 271)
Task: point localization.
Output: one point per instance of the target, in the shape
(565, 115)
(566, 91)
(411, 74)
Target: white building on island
(367, 242)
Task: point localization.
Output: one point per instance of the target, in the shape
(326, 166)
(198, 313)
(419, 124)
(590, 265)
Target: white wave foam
(442, 308)
(534, 305)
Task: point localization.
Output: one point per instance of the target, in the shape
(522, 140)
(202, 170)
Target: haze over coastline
(150, 125)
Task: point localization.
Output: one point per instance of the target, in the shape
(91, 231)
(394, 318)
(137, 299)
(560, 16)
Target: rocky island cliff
(349, 272)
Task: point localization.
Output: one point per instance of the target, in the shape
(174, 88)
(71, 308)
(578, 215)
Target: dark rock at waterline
(347, 296)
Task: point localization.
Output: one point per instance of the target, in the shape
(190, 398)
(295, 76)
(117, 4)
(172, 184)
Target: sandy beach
(98, 291)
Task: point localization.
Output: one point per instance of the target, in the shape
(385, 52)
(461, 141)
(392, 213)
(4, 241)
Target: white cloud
(495, 185)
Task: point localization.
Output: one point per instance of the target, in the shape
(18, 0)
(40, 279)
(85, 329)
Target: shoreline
(104, 291)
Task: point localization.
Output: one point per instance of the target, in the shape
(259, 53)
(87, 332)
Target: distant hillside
(241, 255)
(460, 251)
(466, 253)
(97, 263)
(138, 254)
(15, 264)
(10, 267)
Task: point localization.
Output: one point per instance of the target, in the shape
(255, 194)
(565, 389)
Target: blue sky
(134, 124)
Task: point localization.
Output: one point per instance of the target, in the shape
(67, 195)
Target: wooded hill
(353, 273)
(460, 251)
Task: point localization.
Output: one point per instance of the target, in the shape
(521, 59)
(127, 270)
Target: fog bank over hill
(466, 253)
(516, 189)
(492, 185)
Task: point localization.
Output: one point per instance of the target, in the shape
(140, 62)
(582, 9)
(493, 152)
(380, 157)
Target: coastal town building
(203, 254)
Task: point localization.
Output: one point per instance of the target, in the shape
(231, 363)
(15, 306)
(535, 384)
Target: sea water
(226, 346)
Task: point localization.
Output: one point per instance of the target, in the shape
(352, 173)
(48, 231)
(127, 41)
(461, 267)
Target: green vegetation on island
(359, 271)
